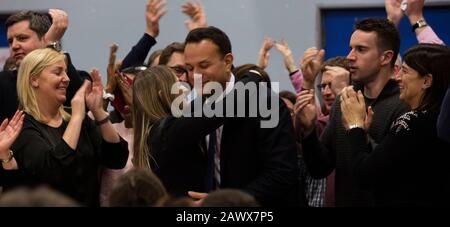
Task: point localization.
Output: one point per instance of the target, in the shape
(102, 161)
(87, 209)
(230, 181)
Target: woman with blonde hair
(57, 148)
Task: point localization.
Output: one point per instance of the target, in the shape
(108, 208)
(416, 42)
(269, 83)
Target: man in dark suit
(28, 31)
(261, 161)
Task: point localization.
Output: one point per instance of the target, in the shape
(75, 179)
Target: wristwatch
(419, 24)
(55, 46)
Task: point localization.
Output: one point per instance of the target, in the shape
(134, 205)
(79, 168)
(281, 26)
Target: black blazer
(262, 162)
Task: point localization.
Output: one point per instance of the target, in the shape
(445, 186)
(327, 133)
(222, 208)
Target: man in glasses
(173, 57)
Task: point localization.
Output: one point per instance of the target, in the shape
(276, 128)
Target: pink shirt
(110, 176)
(429, 36)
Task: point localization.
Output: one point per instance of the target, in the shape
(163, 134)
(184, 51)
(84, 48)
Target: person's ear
(387, 57)
(35, 81)
(428, 81)
(229, 61)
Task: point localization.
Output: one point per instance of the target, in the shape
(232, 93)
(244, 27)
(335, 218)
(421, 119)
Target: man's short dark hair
(167, 53)
(213, 34)
(229, 198)
(387, 34)
(339, 61)
(39, 23)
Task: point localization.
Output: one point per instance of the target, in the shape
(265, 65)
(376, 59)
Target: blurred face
(178, 66)
(327, 94)
(51, 84)
(412, 86)
(364, 57)
(22, 40)
(204, 58)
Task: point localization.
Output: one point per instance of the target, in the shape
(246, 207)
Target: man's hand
(305, 112)
(198, 197)
(60, 22)
(263, 56)
(154, 11)
(197, 15)
(111, 69)
(393, 11)
(288, 58)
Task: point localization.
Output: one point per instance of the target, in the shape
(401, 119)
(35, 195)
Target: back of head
(229, 198)
(431, 59)
(32, 65)
(289, 95)
(137, 188)
(243, 69)
(167, 52)
(340, 61)
(215, 35)
(153, 60)
(387, 34)
(38, 197)
(39, 23)
(152, 100)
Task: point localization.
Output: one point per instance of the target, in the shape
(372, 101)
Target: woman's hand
(94, 94)
(9, 130)
(79, 101)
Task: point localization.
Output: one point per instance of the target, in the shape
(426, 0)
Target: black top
(443, 125)
(44, 157)
(9, 101)
(333, 151)
(409, 167)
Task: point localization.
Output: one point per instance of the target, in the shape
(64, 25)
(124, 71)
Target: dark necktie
(210, 182)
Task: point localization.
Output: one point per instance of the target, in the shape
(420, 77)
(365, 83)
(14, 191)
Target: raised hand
(154, 11)
(394, 11)
(305, 112)
(288, 58)
(415, 10)
(198, 197)
(197, 15)
(60, 22)
(353, 108)
(341, 78)
(94, 94)
(310, 65)
(9, 130)
(111, 70)
(263, 57)
(125, 88)
(78, 101)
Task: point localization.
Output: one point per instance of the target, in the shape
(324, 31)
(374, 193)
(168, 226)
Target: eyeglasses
(134, 69)
(323, 86)
(179, 71)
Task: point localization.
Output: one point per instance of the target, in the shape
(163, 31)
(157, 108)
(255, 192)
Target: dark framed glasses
(323, 86)
(179, 70)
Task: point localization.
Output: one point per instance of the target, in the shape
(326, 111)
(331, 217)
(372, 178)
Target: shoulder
(414, 120)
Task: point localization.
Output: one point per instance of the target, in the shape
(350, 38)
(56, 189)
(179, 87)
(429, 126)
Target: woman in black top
(410, 166)
(55, 148)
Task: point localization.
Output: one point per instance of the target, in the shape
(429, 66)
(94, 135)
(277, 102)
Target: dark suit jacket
(262, 162)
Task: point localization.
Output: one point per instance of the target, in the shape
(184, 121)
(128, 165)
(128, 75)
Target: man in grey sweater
(374, 47)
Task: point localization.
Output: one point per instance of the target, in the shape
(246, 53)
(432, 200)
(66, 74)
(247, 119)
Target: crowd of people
(364, 129)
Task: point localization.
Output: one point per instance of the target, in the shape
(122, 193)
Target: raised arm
(415, 13)
(196, 13)
(295, 74)
(394, 11)
(263, 55)
(60, 22)
(155, 10)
